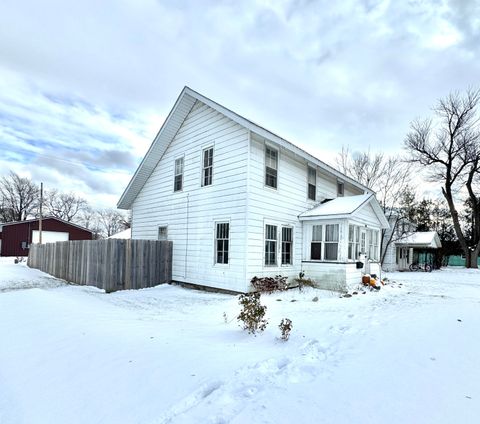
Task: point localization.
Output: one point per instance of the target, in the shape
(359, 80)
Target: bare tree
(19, 198)
(388, 177)
(66, 206)
(111, 221)
(449, 147)
(89, 219)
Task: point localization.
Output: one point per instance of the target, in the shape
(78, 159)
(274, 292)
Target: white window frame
(175, 175)
(292, 233)
(317, 241)
(353, 252)
(331, 242)
(314, 169)
(275, 250)
(216, 239)
(324, 242)
(208, 167)
(373, 244)
(268, 147)
(363, 241)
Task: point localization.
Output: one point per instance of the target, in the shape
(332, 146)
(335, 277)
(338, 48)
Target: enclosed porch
(341, 241)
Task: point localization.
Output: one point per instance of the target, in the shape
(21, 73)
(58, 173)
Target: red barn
(16, 237)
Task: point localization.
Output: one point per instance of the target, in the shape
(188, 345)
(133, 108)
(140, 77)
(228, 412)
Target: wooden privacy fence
(112, 264)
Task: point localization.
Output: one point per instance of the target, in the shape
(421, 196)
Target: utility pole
(40, 219)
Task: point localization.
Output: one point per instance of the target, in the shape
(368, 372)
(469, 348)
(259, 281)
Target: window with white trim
(373, 244)
(312, 183)
(316, 245)
(271, 167)
(353, 242)
(270, 244)
(287, 243)
(207, 166)
(222, 237)
(178, 181)
(162, 233)
(340, 188)
(331, 242)
(324, 245)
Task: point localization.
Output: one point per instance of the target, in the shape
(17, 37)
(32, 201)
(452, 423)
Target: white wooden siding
(281, 206)
(191, 214)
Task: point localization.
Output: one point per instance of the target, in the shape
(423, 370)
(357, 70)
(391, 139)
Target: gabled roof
(426, 239)
(345, 207)
(45, 218)
(172, 124)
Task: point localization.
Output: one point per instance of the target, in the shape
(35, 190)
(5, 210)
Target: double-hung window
(270, 244)
(353, 242)
(312, 183)
(207, 166)
(271, 167)
(316, 246)
(324, 245)
(331, 242)
(373, 244)
(222, 236)
(287, 242)
(178, 181)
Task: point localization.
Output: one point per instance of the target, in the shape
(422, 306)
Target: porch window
(316, 245)
(271, 167)
(178, 182)
(207, 167)
(287, 242)
(353, 241)
(222, 236)
(312, 183)
(270, 244)
(363, 242)
(373, 244)
(331, 242)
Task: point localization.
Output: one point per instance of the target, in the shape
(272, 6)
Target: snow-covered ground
(407, 354)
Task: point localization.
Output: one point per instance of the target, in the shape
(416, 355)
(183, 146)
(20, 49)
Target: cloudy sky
(85, 85)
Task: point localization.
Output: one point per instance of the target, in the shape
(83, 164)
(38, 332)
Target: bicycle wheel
(428, 268)
(413, 267)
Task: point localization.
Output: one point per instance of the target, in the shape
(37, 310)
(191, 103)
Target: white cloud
(79, 79)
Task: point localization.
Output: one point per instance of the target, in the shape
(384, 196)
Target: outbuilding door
(403, 260)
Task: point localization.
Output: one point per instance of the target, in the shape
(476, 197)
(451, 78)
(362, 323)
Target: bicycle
(420, 267)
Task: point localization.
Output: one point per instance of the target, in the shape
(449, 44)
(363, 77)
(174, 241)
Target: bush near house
(252, 313)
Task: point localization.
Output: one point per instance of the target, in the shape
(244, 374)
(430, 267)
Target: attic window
(271, 167)
(207, 167)
(178, 182)
(340, 188)
(312, 183)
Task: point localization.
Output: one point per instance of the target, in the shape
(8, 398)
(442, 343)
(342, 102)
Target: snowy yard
(407, 354)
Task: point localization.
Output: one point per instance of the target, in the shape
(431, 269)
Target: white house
(239, 201)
